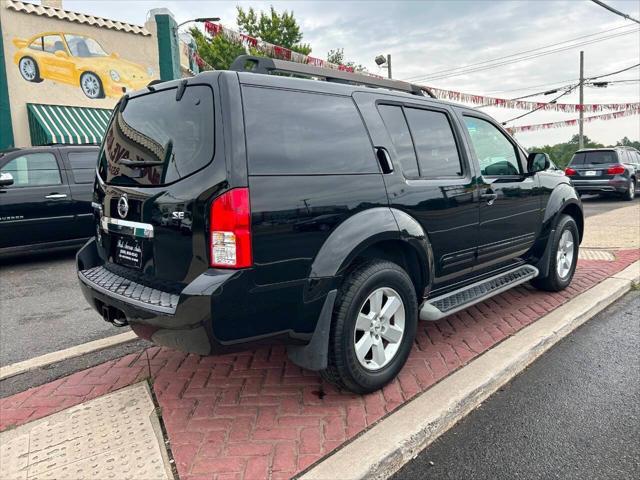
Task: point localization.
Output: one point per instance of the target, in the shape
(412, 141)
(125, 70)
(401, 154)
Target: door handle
(384, 160)
(489, 196)
(56, 196)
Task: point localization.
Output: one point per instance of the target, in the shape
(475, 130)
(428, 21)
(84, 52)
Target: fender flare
(367, 228)
(561, 197)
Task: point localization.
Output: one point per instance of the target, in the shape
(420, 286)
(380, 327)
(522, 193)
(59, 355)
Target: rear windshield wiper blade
(142, 163)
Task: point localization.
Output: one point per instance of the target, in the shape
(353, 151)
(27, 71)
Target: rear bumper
(180, 320)
(615, 185)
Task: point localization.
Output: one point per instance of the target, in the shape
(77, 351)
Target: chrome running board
(439, 307)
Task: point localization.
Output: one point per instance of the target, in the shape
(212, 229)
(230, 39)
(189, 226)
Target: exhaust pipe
(114, 316)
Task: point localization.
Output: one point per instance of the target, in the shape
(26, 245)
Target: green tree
(219, 51)
(337, 56)
(273, 27)
(629, 143)
(561, 153)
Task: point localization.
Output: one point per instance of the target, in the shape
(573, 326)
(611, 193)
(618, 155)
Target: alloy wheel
(379, 328)
(564, 255)
(28, 69)
(90, 85)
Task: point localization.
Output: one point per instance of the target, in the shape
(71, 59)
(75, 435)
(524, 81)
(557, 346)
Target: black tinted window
(83, 166)
(33, 169)
(169, 138)
(578, 159)
(600, 156)
(304, 133)
(399, 130)
(435, 143)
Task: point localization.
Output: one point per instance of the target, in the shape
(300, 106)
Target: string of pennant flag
(283, 53)
(527, 105)
(574, 122)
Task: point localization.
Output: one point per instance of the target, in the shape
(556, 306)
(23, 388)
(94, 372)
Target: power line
(435, 76)
(563, 82)
(568, 89)
(614, 73)
(520, 53)
(617, 12)
(541, 106)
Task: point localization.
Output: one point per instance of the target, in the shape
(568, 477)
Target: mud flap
(314, 355)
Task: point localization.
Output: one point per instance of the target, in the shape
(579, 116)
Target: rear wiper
(144, 163)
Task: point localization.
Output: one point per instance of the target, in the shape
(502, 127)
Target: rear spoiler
(19, 42)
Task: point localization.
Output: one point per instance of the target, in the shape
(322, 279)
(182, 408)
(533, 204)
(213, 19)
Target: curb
(398, 438)
(54, 357)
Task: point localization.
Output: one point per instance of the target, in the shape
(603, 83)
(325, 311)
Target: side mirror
(538, 162)
(61, 54)
(6, 179)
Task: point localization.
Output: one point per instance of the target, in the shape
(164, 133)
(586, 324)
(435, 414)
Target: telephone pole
(581, 116)
(389, 65)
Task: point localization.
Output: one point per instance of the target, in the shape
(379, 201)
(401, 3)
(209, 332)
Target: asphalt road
(595, 204)
(42, 309)
(573, 414)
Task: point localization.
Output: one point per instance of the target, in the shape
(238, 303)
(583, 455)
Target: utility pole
(389, 64)
(581, 116)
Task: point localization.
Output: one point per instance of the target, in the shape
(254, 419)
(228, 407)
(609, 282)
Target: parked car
(78, 60)
(323, 215)
(605, 171)
(45, 198)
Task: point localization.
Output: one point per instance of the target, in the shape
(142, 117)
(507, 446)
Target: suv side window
(398, 129)
(303, 133)
(33, 170)
(624, 156)
(435, 143)
(83, 166)
(496, 154)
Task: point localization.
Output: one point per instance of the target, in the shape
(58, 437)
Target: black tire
(630, 194)
(95, 89)
(553, 282)
(35, 78)
(344, 369)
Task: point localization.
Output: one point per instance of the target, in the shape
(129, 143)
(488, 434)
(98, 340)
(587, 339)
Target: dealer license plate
(590, 173)
(129, 252)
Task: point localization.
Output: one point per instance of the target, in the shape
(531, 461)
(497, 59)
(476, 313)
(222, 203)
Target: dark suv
(605, 170)
(240, 208)
(45, 198)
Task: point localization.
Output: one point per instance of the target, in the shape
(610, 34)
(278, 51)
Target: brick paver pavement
(254, 415)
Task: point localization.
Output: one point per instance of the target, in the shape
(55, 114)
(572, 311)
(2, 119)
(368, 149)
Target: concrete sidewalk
(256, 415)
(616, 229)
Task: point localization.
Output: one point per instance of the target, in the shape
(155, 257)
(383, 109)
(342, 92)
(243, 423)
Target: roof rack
(265, 65)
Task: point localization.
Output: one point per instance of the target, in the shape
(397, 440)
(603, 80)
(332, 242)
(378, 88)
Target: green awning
(64, 124)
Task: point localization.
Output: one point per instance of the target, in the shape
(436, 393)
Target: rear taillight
(569, 172)
(615, 170)
(230, 230)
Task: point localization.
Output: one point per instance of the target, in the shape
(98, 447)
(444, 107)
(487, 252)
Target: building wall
(131, 55)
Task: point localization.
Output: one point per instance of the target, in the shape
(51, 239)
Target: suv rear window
(292, 132)
(177, 135)
(595, 157)
(83, 166)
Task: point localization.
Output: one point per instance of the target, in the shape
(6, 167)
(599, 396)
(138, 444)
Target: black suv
(239, 208)
(45, 198)
(605, 171)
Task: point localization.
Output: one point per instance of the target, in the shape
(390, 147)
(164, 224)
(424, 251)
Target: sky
(429, 36)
